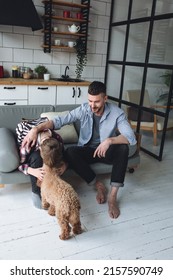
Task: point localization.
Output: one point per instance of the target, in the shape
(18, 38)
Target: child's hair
(51, 151)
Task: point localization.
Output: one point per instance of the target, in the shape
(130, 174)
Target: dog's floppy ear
(40, 152)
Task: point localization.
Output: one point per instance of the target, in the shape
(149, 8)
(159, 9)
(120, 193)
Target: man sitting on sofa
(98, 142)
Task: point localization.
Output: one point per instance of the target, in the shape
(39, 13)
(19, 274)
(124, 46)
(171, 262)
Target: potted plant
(81, 58)
(40, 70)
(163, 98)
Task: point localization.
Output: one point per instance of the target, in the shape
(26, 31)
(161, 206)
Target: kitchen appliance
(20, 13)
(1, 72)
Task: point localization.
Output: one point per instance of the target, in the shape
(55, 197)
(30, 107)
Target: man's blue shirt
(112, 121)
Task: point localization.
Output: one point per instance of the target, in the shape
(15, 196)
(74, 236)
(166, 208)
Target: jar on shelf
(66, 14)
(27, 73)
(21, 71)
(15, 71)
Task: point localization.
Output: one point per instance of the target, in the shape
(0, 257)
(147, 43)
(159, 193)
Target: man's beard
(97, 110)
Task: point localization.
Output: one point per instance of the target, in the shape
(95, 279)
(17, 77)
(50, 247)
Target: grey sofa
(9, 157)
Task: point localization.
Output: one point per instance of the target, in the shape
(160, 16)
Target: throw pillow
(9, 157)
(67, 132)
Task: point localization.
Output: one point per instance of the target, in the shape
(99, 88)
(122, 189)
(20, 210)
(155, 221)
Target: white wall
(20, 46)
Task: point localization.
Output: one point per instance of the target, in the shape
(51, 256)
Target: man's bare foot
(114, 210)
(101, 192)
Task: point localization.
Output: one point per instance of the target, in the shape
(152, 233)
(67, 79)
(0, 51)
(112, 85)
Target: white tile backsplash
(94, 20)
(106, 34)
(22, 30)
(12, 40)
(72, 59)
(61, 57)
(94, 59)
(0, 39)
(54, 70)
(22, 46)
(6, 54)
(101, 47)
(6, 28)
(89, 72)
(103, 22)
(98, 8)
(23, 55)
(99, 72)
(39, 58)
(104, 60)
(108, 8)
(92, 46)
(96, 34)
(32, 42)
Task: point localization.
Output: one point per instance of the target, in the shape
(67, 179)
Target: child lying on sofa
(31, 161)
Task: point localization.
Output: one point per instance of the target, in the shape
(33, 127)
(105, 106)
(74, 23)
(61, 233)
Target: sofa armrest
(9, 157)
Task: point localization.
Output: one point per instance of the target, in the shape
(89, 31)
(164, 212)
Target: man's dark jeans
(35, 161)
(79, 159)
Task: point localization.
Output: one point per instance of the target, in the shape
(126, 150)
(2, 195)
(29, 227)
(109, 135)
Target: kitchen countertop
(41, 82)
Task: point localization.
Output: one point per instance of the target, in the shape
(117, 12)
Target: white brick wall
(21, 46)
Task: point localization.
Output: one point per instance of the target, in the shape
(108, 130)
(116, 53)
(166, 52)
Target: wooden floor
(143, 231)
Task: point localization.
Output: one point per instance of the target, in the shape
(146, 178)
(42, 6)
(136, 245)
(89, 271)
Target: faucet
(65, 76)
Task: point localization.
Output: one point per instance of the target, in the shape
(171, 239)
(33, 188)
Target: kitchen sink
(68, 80)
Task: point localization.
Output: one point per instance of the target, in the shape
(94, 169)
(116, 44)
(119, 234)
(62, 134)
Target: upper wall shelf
(66, 33)
(52, 16)
(69, 4)
(66, 19)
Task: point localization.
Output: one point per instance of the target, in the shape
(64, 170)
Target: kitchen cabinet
(72, 95)
(37, 92)
(41, 95)
(13, 95)
(61, 14)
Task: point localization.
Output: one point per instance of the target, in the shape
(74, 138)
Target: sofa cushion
(10, 116)
(67, 132)
(8, 151)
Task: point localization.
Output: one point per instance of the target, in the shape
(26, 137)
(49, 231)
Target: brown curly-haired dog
(57, 195)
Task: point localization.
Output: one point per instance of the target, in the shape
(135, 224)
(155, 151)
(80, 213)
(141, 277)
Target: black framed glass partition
(139, 67)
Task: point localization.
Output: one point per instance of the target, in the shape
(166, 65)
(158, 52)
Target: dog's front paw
(65, 232)
(64, 236)
(77, 230)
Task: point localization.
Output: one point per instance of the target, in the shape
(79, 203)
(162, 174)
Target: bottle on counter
(1, 71)
(15, 71)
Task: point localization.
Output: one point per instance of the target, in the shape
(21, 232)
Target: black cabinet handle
(14, 103)
(9, 87)
(79, 92)
(43, 88)
(73, 93)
